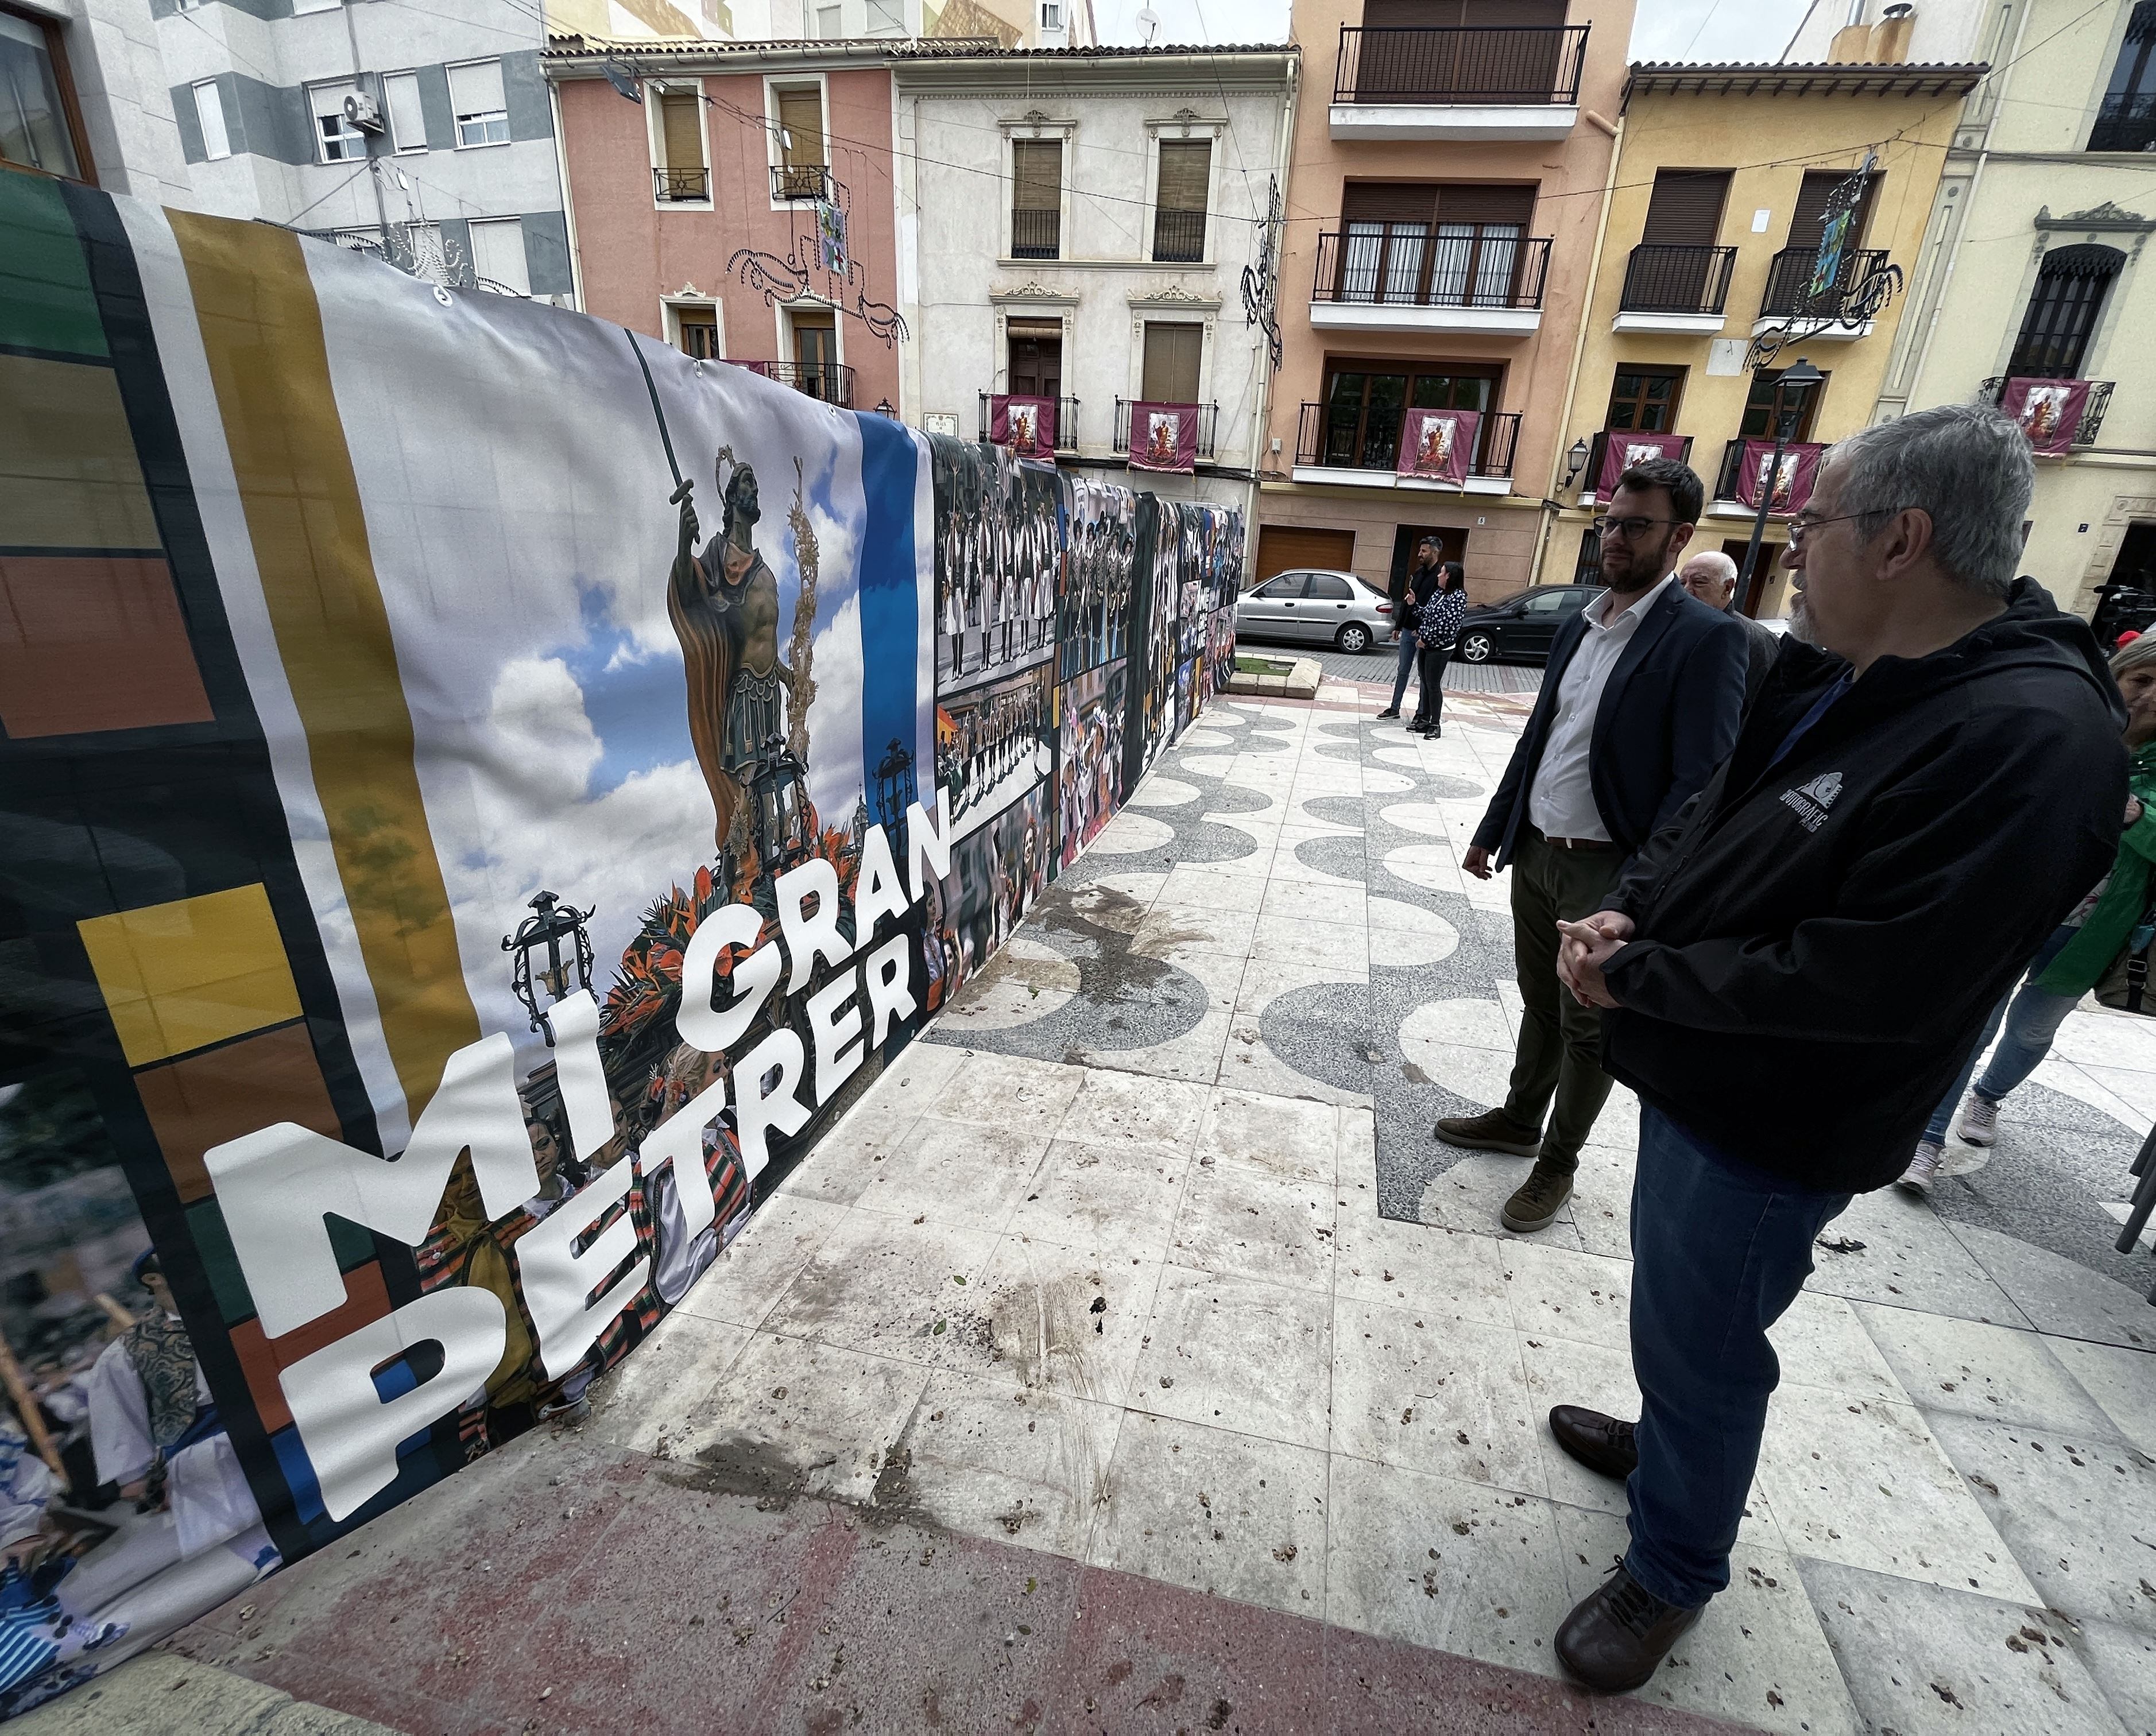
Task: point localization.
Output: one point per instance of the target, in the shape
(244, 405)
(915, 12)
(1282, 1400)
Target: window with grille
(681, 171)
(1179, 222)
(1365, 403)
(2126, 119)
(475, 100)
(1456, 246)
(1173, 351)
(2070, 285)
(1036, 199)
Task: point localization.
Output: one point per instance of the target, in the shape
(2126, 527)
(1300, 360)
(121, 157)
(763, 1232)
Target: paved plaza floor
(1139, 1288)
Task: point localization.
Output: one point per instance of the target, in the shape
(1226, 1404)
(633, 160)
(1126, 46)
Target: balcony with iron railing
(1208, 417)
(1066, 419)
(794, 181)
(1457, 83)
(1681, 290)
(1597, 451)
(833, 381)
(672, 186)
(1831, 315)
(1393, 281)
(1726, 500)
(1178, 238)
(2092, 409)
(1349, 444)
(2125, 120)
(1036, 234)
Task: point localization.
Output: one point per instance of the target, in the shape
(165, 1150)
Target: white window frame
(774, 153)
(1067, 131)
(209, 101)
(1176, 131)
(816, 10)
(496, 224)
(398, 143)
(346, 134)
(1051, 14)
(671, 309)
(655, 136)
(485, 119)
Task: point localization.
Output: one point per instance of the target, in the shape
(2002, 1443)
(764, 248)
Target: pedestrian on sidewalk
(1437, 629)
(1410, 591)
(2078, 954)
(1794, 972)
(1711, 576)
(1638, 707)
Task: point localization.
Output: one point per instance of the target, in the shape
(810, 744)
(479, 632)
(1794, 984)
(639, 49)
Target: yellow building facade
(1725, 178)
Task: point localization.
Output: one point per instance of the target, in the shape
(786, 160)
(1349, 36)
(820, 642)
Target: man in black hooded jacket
(1796, 968)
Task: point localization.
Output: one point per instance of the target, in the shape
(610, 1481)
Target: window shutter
(801, 113)
(1511, 14)
(1171, 363)
(678, 126)
(1185, 167)
(1385, 201)
(1037, 174)
(476, 89)
(1686, 209)
(408, 124)
(497, 247)
(209, 111)
(1485, 205)
(1407, 14)
(1809, 221)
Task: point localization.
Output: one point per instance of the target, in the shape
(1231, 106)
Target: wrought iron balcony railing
(1662, 280)
(801, 180)
(1789, 282)
(1452, 65)
(1208, 417)
(1334, 437)
(2125, 121)
(672, 184)
(1598, 450)
(1393, 269)
(1036, 234)
(1178, 238)
(833, 381)
(2098, 400)
(1066, 419)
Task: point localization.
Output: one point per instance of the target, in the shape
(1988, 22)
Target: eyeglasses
(1803, 524)
(1626, 528)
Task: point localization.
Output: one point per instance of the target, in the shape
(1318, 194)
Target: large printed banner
(1794, 476)
(442, 728)
(2049, 411)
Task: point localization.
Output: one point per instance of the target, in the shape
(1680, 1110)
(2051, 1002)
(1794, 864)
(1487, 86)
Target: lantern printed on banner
(1624, 448)
(1163, 437)
(1792, 485)
(1025, 425)
(754, 758)
(2049, 410)
(1439, 445)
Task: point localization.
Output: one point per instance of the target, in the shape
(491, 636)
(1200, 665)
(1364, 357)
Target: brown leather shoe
(1602, 1443)
(1490, 1131)
(1538, 1199)
(1617, 1637)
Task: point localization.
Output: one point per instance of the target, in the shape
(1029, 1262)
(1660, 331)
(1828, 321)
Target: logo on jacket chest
(1811, 802)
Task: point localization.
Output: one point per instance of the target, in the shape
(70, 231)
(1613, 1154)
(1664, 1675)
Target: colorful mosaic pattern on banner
(441, 727)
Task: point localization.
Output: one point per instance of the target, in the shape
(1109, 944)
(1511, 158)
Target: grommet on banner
(442, 295)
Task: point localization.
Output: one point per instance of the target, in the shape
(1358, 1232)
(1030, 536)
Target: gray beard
(1801, 628)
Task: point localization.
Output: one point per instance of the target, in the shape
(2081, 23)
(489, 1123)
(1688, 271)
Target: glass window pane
(1431, 391)
(1348, 389)
(1389, 390)
(1359, 253)
(1325, 587)
(1658, 386)
(1404, 261)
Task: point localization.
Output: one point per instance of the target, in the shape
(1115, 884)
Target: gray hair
(1966, 465)
(2133, 654)
(1725, 569)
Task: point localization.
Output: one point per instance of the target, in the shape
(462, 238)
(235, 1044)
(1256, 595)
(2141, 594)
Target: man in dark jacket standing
(1410, 591)
(1711, 576)
(1796, 970)
(1639, 705)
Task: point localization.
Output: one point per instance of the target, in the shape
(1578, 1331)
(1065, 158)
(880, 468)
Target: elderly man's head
(1912, 522)
(1710, 576)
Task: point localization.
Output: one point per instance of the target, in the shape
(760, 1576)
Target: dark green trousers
(1560, 1051)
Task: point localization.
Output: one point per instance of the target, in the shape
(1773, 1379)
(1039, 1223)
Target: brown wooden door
(1282, 548)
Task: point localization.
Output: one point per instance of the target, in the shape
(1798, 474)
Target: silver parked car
(1315, 607)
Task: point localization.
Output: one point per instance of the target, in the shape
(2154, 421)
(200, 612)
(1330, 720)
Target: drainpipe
(1260, 455)
(1616, 132)
(569, 205)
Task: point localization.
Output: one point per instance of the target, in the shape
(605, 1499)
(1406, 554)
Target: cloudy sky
(1666, 29)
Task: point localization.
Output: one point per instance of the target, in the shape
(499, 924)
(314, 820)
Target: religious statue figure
(723, 605)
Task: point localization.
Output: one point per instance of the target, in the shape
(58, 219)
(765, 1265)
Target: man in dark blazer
(1639, 707)
(1711, 576)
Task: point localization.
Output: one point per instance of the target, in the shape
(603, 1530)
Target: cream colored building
(2031, 265)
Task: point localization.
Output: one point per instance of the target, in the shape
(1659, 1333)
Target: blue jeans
(1408, 647)
(1719, 1251)
(2032, 1018)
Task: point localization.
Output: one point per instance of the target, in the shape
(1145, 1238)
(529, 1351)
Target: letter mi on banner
(463, 855)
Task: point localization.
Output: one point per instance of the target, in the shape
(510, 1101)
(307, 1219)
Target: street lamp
(554, 923)
(1575, 460)
(1804, 375)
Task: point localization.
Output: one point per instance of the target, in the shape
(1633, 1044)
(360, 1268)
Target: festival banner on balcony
(1439, 445)
(567, 807)
(1793, 478)
(1624, 448)
(2049, 410)
(1025, 426)
(1163, 437)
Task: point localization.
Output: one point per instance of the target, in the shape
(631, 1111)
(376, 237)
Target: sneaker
(1924, 1169)
(1489, 1131)
(1539, 1199)
(1979, 1121)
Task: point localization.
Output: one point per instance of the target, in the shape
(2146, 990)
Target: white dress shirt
(1561, 803)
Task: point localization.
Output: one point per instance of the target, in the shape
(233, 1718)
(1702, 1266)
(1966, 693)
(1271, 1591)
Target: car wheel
(1354, 638)
(1476, 648)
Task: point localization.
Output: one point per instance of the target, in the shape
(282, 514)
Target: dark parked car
(1521, 626)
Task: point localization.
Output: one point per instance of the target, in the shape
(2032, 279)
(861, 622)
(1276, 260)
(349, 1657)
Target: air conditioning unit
(363, 112)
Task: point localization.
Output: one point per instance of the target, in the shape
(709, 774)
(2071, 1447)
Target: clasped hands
(1588, 945)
